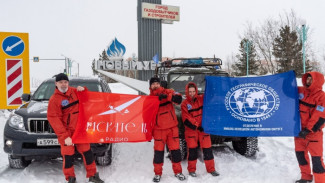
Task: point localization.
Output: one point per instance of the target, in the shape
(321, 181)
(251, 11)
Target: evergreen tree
(240, 67)
(103, 56)
(93, 67)
(287, 49)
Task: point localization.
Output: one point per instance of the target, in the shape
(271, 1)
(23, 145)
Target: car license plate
(47, 142)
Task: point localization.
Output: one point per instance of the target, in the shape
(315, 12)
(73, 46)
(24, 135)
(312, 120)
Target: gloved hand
(162, 96)
(303, 133)
(177, 99)
(200, 129)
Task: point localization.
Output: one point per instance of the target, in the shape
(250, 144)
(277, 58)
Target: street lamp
(78, 69)
(303, 37)
(247, 45)
(67, 63)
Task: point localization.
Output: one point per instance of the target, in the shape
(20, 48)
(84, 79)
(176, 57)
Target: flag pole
(155, 58)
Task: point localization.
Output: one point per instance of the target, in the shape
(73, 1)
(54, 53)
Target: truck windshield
(179, 82)
(46, 89)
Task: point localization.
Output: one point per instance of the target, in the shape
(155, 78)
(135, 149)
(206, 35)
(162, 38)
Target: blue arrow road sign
(13, 46)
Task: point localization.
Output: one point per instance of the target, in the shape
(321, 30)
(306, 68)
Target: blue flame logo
(115, 49)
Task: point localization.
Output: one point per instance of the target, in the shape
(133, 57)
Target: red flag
(112, 118)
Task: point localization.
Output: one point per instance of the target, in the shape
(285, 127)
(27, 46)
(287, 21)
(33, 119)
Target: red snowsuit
(62, 114)
(192, 118)
(165, 131)
(312, 114)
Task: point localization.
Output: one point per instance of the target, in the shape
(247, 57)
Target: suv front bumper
(24, 144)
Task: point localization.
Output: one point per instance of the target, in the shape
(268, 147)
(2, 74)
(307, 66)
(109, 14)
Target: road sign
(13, 45)
(36, 59)
(14, 69)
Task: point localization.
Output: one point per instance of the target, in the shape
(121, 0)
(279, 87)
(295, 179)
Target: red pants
(171, 138)
(192, 138)
(87, 156)
(314, 145)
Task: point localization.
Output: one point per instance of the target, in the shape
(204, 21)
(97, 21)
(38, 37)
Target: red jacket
(166, 117)
(312, 102)
(62, 113)
(192, 109)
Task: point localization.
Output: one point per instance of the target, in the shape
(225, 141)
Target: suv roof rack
(193, 62)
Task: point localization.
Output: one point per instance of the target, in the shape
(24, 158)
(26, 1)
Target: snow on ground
(132, 163)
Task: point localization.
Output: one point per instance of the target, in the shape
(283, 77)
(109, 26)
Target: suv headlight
(17, 122)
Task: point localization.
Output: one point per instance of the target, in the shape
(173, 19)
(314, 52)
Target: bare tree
(230, 61)
(314, 63)
(290, 19)
(263, 37)
(322, 62)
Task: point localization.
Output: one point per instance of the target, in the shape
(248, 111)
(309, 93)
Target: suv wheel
(182, 147)
(106, 159)
(18, 163)
(246, 146)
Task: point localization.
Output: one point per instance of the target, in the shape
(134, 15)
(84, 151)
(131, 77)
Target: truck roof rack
(192, 62)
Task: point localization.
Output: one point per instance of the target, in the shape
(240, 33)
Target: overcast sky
(82, 29)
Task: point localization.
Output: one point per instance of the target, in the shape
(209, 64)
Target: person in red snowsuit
(192, 119)
(310, 139)
(62, 113)
(165, 129)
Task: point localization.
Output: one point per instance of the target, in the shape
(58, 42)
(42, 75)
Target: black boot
(192, 174)
(214, 173)
(304, 181)
(180, 176)
(72, 180)
(96, 178)
(156, 178)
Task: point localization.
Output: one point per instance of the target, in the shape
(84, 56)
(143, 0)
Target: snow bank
(121, 88)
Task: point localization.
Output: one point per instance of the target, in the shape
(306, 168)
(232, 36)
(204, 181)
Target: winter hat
(60, 77)
(154, 79)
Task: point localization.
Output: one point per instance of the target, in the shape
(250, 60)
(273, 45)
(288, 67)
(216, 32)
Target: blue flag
(156, 58)
(252, 106)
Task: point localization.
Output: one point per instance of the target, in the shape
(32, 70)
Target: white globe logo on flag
(251, 102)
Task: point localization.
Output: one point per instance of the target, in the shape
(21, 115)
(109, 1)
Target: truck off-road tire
(246, 146)
(183, 148)
(106, 159)
(18, 163)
